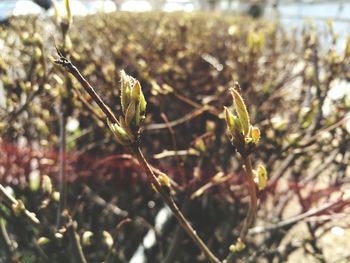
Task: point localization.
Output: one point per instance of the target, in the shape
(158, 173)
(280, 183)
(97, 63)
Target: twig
(296, 219)
(11, 201)
(71, 228)
(253, 199)
(62, 164)
(108, 206)
(170, 202)
(187, 117)
(88, 88)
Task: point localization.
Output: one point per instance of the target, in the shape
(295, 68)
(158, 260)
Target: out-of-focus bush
(185, 63)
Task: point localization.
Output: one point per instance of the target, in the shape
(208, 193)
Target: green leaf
(241, 110)
(125, 90)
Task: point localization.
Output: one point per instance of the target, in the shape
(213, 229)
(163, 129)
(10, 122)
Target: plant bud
(241, 110)
(34, 180)
(230, 119)
(43, 241)
(200, 145)
(233, 124)
(108, 239)
(55, 196)
(87, 238)
(18, 208)
(255, 132)
(240, 246)
(46, 184)
(125, 90)
(164, 181)
(261, 177)
(58, 235)
(120, 134)
(132, 100)
(132, 115)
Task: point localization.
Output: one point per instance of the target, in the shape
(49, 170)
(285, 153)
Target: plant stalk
(253, 199)
(173, 207)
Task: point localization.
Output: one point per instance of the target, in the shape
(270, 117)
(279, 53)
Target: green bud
(200, 145)
(261, 177)
(164, 181)
(240, 246)
(18, 208)
(120, 134)
(230, 119)
(255, 133)
(108, 239)
(132, 114)
(34, 180)
(46, 184)
(42, 241)
(125, 90)
(87, 238)
(132, 100)
(55, 196)
(241, 110)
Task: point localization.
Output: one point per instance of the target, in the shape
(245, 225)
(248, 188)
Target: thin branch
(253, 199)
(78, 250)
(173, 207)
(298, 218)
(187, 117)
(88, 88)
(11, 201)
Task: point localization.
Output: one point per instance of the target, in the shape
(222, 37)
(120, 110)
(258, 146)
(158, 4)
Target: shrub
(185, 67)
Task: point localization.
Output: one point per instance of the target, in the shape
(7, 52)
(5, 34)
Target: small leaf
(130, 114)
(138, 95)
(136, 91)
(164, 182)
(125, 90)
(241, 110)
(233, 123)
(229, 119)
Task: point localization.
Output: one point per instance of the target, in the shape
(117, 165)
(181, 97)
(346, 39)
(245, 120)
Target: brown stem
(78, 250)
(88, 88)
(31, 217)
(253, 199)
(173, 207)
